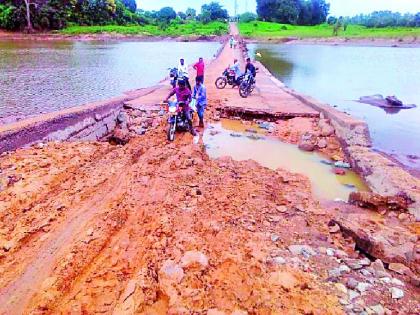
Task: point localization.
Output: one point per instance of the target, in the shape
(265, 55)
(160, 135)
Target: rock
(334, 273)
(334, 228)
(283, 279)
(193, 259)
(354, 264)
(340, 254)
(366, 273)
(353, 295)
(396, 293)
(322, 143)
(304, 250)
(326, 129)
(352, 283)
(123, 119)
(378, 267)
(385, 280)
(378, 309)
(274, 238)
(279, 260)
(377, 202)
(138, 130)
(398, 282)
(344, 269)
(330, 252)
(306, 146)
(343, 302)
(172, 271)
(363, 287)
(120, 136)
(282, 209)
(215, 311)
(400, 269)
(307, 142)
(341, 287)
(365, 262)
(89, 232)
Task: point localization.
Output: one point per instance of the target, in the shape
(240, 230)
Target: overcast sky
(338, 7)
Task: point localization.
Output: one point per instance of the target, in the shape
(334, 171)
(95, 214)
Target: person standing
(199, 67)
(183, 73)
(200, 95)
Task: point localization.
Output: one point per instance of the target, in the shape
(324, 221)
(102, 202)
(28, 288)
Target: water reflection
(340, 75)
(44, 76)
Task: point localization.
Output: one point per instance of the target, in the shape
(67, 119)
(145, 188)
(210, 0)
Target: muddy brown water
(40, 76)
(340, 75)
(230, 138)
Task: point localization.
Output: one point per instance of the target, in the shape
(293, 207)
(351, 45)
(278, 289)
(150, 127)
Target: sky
(338, 7)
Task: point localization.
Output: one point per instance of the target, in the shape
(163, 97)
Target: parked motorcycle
(228, 77)
(173, 74)
(247, 85)
(177, 120)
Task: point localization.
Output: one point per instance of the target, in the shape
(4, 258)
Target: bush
(248, 17)
(7, 20)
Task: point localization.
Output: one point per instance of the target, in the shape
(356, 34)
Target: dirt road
(159, 228)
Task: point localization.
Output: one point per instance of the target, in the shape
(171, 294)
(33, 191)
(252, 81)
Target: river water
(40, 76)
(339, 75)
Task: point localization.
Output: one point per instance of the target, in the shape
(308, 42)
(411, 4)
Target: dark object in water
(391, 102)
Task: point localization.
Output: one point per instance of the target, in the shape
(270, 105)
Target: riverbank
(159, 227)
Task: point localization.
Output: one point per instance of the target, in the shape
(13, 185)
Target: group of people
(184, 93)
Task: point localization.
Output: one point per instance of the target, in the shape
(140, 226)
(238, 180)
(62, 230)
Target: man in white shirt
(183, 72)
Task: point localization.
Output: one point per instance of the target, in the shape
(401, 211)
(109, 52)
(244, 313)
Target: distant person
(250, 67)
(200, 94)
(183, 73)
(200, 66)
(232, 42)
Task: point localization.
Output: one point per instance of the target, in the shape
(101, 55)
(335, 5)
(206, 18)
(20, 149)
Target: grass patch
(260, 29)
(190, 28)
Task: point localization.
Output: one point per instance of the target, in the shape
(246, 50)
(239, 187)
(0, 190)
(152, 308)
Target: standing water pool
(229, 138)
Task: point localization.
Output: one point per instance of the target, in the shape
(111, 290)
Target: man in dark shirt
(250, 67)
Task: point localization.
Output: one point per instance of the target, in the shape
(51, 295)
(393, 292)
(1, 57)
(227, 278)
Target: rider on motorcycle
(236, 68)
(183, 95)
(183, 72)
(250, 67)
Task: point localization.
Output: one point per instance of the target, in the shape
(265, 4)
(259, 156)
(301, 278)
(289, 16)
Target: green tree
(166, 14)
(191, 13)
(282, 11)
(130, 5)
(214, 11)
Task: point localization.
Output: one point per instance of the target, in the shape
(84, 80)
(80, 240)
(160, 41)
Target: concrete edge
(86, 122)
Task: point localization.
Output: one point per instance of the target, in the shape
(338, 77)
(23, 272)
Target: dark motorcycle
(173, 74)
(177, 120)
(247, 85)
(228, 77)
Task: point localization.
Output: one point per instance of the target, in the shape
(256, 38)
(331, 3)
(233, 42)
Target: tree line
(384, 19)
(57, 14)
(297, 12)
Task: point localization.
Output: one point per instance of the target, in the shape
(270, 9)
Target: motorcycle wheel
(171, 132)
(221, 83)
(244, 90)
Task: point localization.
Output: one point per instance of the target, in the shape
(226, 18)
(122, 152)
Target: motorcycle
(173, 74)
(177, 120)
(228, 77)
(247, 85)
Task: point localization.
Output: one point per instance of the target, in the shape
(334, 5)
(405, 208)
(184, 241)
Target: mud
(152, 227)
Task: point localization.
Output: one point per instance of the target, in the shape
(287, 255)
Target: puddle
(232, 138)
